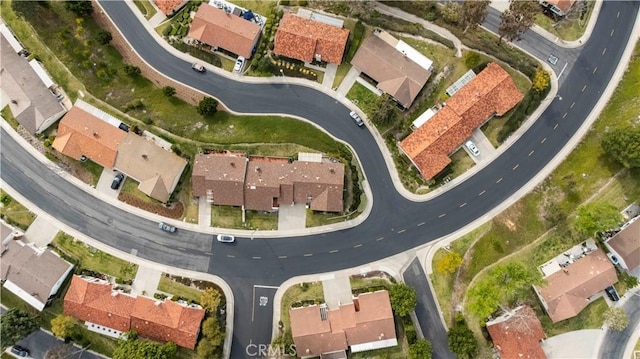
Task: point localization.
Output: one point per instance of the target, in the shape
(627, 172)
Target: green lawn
(315, 219)
(439, 54)
(566, 29)
(169, 286)
(8, 116)
(15, 213)
(261, 221)
(589, 318)
(362, 97)
(226, 217)
(145, 8)
(93, 259)
(296, 293)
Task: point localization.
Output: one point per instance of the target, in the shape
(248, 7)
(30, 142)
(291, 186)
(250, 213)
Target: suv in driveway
(117, 181)
(356, 118)
(167, 227)
(612, 293)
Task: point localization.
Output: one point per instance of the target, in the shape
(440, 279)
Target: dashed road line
(462, 205)
(515, 167)
(532, 151)
(420, 224)
(584, 88)
(230, 256)
(612, 31)
(308, 254)
(565, 115)
(401, 231)
(573, 104)
(481, 193)
(442, 215)
(595, 69)
(357, 246)
(603, 51)
(182, 249)
(208, 253)
(499, 180)
(544, 139)
(617, 16)
(282, 257)
(556, 126)
(256, 257)
(379, 239)
(333, 251)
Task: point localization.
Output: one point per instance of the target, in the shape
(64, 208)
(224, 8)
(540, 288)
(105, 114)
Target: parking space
(105, 182)
(485, 148)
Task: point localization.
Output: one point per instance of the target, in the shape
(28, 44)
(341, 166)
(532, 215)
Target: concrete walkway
(41, 232)
(292, 217)
(329, 75)
(348, 81)
(577, 344)
(146, 281)
(204, 212)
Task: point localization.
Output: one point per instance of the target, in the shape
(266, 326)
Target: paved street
(615, 342)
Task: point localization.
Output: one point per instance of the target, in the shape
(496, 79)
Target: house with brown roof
(491, 93)
(517, 334)
(33, 274)
(365, 324)
(169, 7)
(27, 87)
(268, 182)
(156, 169)
(568, 291)
(625, 245)
(221, 29)
(558, 7)
(397, 68)
(113, 313)
(305, 39)
(83, 135)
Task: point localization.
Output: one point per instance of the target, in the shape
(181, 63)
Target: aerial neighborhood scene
(320, 179)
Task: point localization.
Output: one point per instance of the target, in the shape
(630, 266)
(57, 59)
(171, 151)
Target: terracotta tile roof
(563, 5)
(156, 169)
(567, 291)
(344, 326)
(396, 74)
(218, 28)
(167, 321)
(517, 334)
(81, 133)
(491, 92)
(96, 303)
(169, 6)
(38, 273)
(303, 39)
(627, 244)
(223, 173)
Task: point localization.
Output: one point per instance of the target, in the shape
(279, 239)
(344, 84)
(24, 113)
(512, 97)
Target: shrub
(472, 59)
(207, 106)
(132, 71)
(168, 91)
(103, 37)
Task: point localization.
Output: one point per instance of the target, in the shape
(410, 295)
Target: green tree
(168, 91)
(449, 263)
(385, 111)
(483, 298)
(63, 326)
(541, 80)
(517, 19)
(624, 146)
(421, 349)
(473, 13)
(16, 324)
(134, 348)
(210, 300)
(103, 37)
(81, 8)
(513, 276)
(450, 12)
(206, 349)
(616, 318)
(472, 59)
(403, 299)
(596, 217)
(132, 71)
(207, 106)
(461, 340)
(212, 331)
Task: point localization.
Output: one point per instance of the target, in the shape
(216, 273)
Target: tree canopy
(63, 326)
(134, 348)
(210, 300)
(449, 263)
(212, 339)
(403, 299)
(624, 146)
(207, 106)
(473, 13)
(421, 349)
(517, 19)
(462, 341)
(616, 318)
(16, 324)
(596, 217)
(79, 7)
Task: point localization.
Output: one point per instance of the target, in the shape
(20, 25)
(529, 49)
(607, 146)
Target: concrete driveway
(104, 183)
(487, 152)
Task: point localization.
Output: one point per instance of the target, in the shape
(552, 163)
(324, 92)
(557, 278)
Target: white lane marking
(544, 139)
(282, 257)
(515, 167)
(603, 51)
(612, 31)
(401, 231)
(565, 115)
(532, 151)
(584, 88)
(573, 104)
(563, 68)
(230, 256)
(481, 193)
(499, 180)
(334, 251)
(595, 69)
(308, 255)
(357, 246)
(420, 224)
(556, 126)
(256, 257)
(462, 205)
(378, 240)
(442, 215)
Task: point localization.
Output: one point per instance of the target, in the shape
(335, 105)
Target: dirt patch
(72, 167)
(175, 211)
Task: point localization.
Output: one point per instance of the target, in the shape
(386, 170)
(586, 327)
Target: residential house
(491, 93)
(156, 169)
(365, 324)
(625, 245)
(558, 7)
(221, 29)
(517, 334)
(27, 88)
(113, 313)
(568, 291)
(33, 274)
(170, 7)
(81, 135)
(397, 68)
(306, 40)
(268, 182)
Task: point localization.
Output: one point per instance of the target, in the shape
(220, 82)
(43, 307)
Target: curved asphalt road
(394, 224)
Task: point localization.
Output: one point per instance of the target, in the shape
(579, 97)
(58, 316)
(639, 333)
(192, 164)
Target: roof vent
(145, 156)
(258, 169)
(233, 164)
(323, 311)
(332, 170)
(95, 134)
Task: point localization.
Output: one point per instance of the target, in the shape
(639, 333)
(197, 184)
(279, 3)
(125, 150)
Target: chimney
(233, 164)
(144, 156)
(356, 304)
(95, 134)
(258, 169)
(332, 170)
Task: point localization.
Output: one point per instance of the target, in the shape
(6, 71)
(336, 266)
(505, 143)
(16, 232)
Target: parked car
(198, 67)
(472, 148)
(613, 258)
(611, 292)
(226, 238)
(356, 118)
(117, 181)
(167, 227)
(239, 63)
(20, 351)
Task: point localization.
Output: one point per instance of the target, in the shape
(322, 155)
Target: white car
(239, 63)
(226, 238)
(356, 118)
(472, 148)
(198, 67)
(167, 227)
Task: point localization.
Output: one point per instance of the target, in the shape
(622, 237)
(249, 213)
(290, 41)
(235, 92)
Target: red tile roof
(491, 92)
(96, 302)
(218, 28)
(563, 5)
(369, 319)
(81, 133)
(169, 6)
(166, 321)
(303, 39)
(567, 291)
(517, 334)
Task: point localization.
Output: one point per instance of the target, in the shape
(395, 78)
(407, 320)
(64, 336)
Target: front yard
(15, 213)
